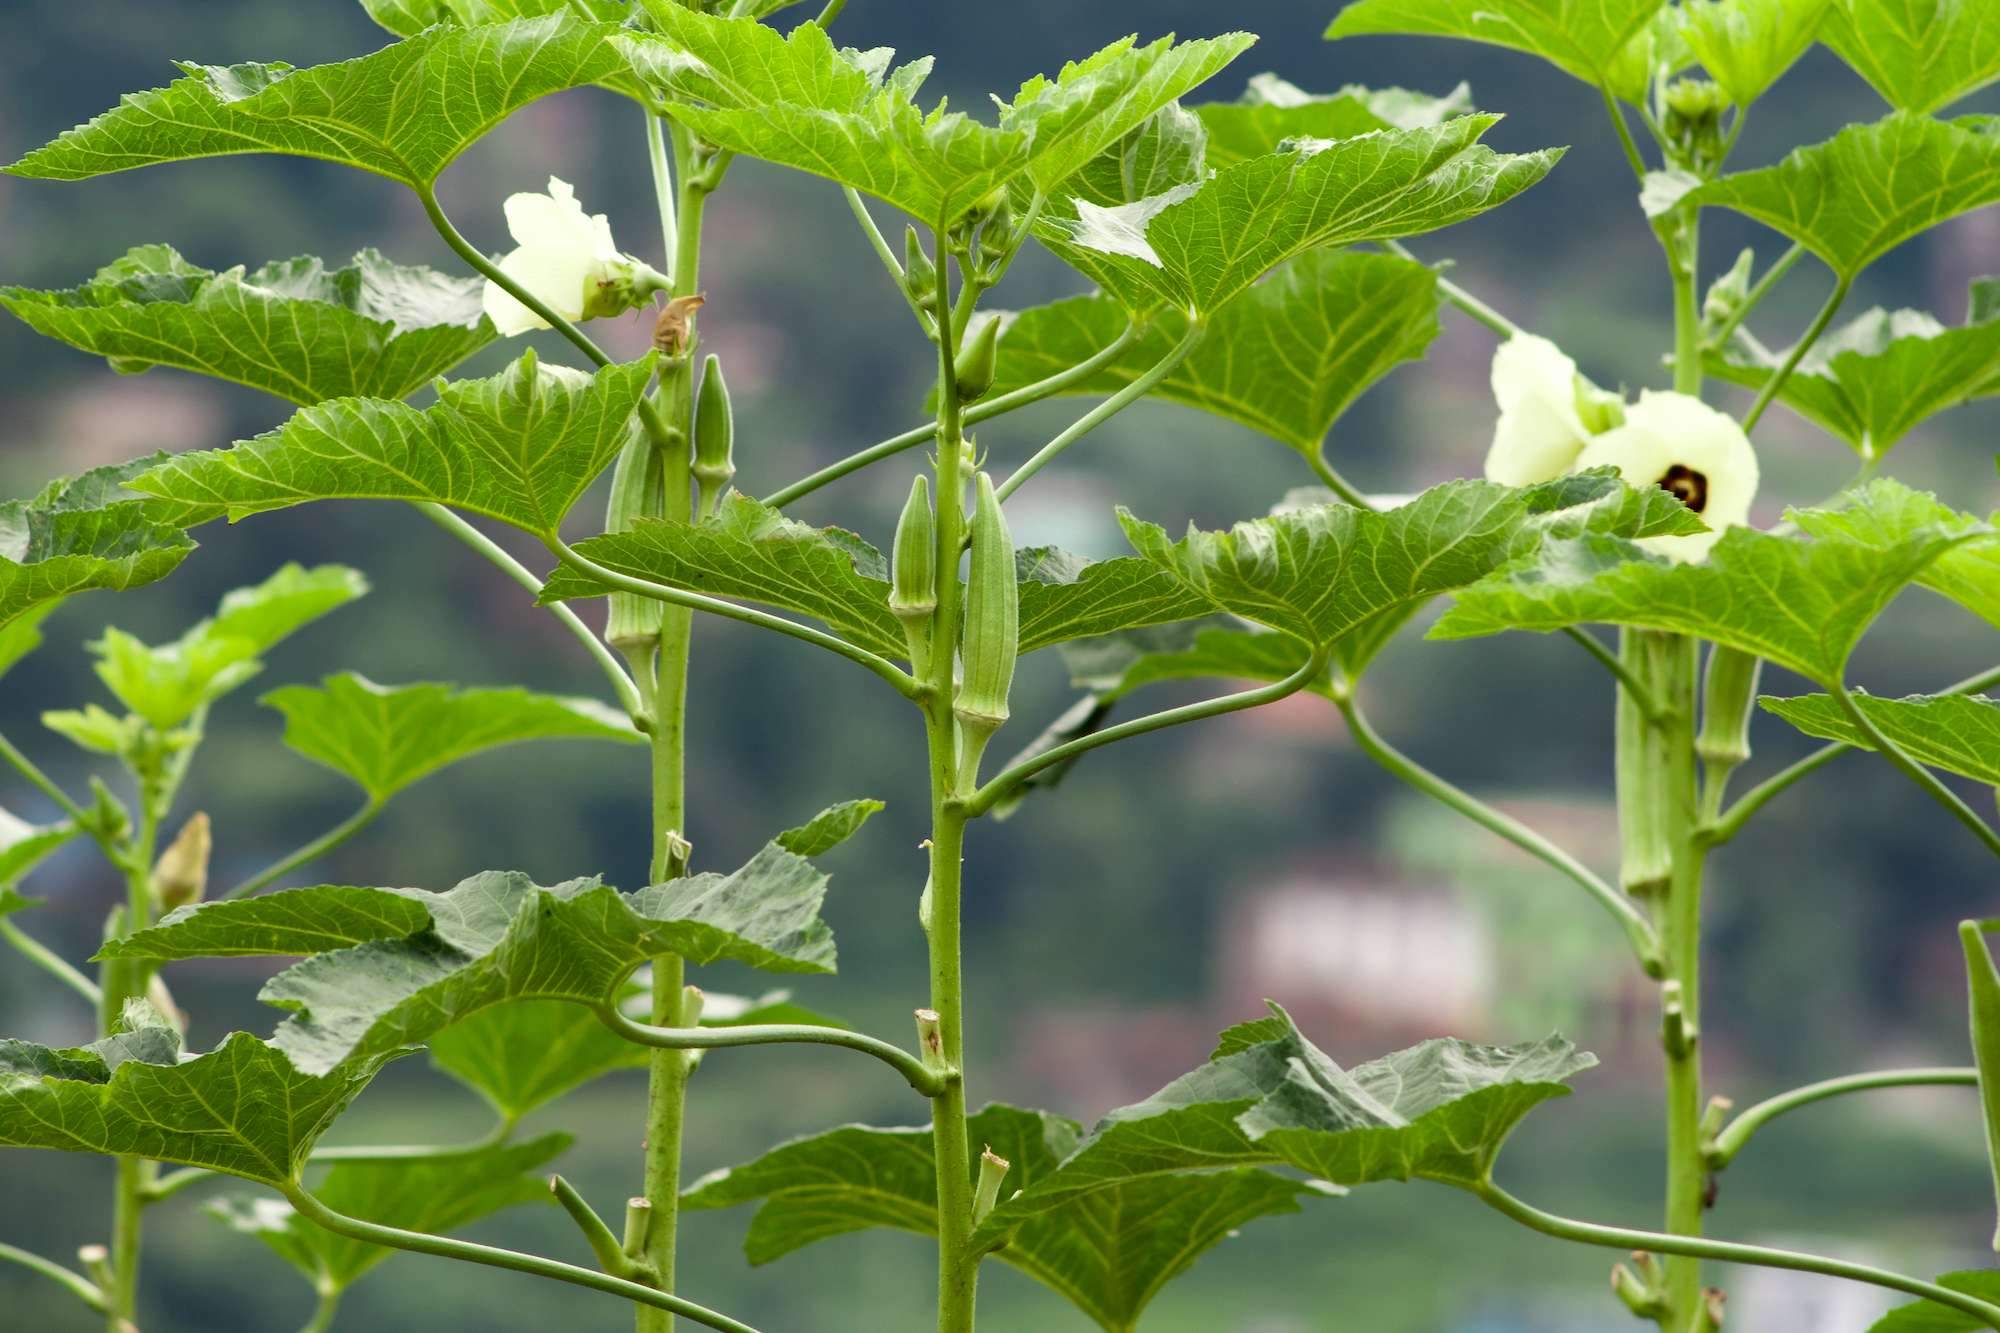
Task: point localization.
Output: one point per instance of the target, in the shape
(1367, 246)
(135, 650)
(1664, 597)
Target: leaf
(407, 18)
(1109, 1254)
(1198, 248)
(799, 101)
(1921, 55)
(1968, 573)
(81, 533)
(434, 1195)
(1956, 732)
(167, 684)
(522, 446)
(23, 846)
(1877, 377)
(1801, 603)
(1219, 647)
(1930, 1317)
(1582, 37)
(405, 112)
(1065, 597)
(1654, 55)
(1868, 189)
(1322, 572)
(828, 829)
(1287, 358)
(1272, 111)
(1747, 45)
(387, 737)
(243, 1108)
(295, 329)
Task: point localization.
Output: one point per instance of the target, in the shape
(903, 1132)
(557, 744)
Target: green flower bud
(632, 625)
(1693, 123)
(977, 360)
(920, 277)
(913, 572)
(180, 876)
(992, 633)
(714, 434)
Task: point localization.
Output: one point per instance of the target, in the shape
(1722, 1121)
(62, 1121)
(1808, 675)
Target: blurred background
(1178, 879)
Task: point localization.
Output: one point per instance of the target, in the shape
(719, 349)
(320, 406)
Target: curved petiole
(74, 1282)
(1773, 385)
(44, 784)
(880, 245)
(50, 962)
(312, 851)
(1755, 296)
(925, 1080)
(1730, 1141)
(1932, 785)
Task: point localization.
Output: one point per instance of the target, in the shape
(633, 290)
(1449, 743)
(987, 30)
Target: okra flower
(1548, 412)
(1682, 444)
(567, 259)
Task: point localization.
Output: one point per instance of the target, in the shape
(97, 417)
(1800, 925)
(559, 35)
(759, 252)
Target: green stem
(76, 1283)
(123, 981)
(1694, 1247)
(663, 188)
(1104, 411)
(1634, 687)
(831, 12)
(1336, 483)
(880, 245)
(43, 782)
(992, 407)
(535, 1265)
(1617, 114)
(1645, 942)
(50, 962)
(1469, 304)
(1731, 1140)
(665, 1038)
(1914, 771)
(1769, 392)
(611, 578)
(324, 1311)
(312, 851)
(1755, 296)
(614, 671)
(985, 798)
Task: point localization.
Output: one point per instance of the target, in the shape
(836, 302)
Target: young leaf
(22, 635)
(1801, 603)
(522, 447)
(1583, 37)
(1272, 111)
(1108, 1254)
(1921, 55)
(23, 846)
(1286, 358)
(386, 738)
(407, 18)
(243, 1108)
(1197, 248)
(80, 533)
(1956, 732)
(434, 1195)
(405, 112)
(1868, 189)
(1873, 380)
(295, 329)
(1968, 574)
(1930, 1317)
(1747, 45)
(800, 101)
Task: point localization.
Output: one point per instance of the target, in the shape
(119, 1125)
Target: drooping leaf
(243, 1108)
(1273, 110)
(1198, 247)
(1874, 379)
(23, 846)
(1956, 732)
(435, 1195)
(81, 533)
(1109, 1254)
(1747, 45)
(1801, 602)
(1286, 358)
(295, 329)
(166, 684)
(1868, 189)
(1930, 1317)
(1066, 597)
(405, 112)
(1921, 55)
(1583, 37)
(800, 101)
(387, 737)
(1217, 648)
(522, 446)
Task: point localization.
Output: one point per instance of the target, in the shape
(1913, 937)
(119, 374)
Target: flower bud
(180, 876)
(714, 434)
(992, 633)
(1693, 123)
(920, 276)
(1728, 697)
(977, 361)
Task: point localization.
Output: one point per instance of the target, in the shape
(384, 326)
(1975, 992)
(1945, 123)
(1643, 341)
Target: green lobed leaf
(1956, 732)
(1874, 379)
(1930, 1317)
(23, 846)
(1921, 55)
(407, 18)
(799, 101)
(1655, 54)
(434, 1195)
(1747, 45)
(81, 533)
(387, 737)
(1287, 358)
(522, 447)
(1198, 247)
(405, 112)
(1871, 187)
(22, 635)
(1582, 37)
(1109, 1254)
(295, 328)
(1968, 573)
(1272, 110)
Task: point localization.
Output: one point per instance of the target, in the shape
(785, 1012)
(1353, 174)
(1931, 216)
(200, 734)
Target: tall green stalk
(122, 982)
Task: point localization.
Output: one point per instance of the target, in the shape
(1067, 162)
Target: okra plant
(1244, 258)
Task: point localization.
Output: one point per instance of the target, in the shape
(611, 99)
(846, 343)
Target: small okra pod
(913, 572)
(1729, 696)
(920, 276)
(977, 361)
(632, 625)
(992, 633)
(714, 434)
